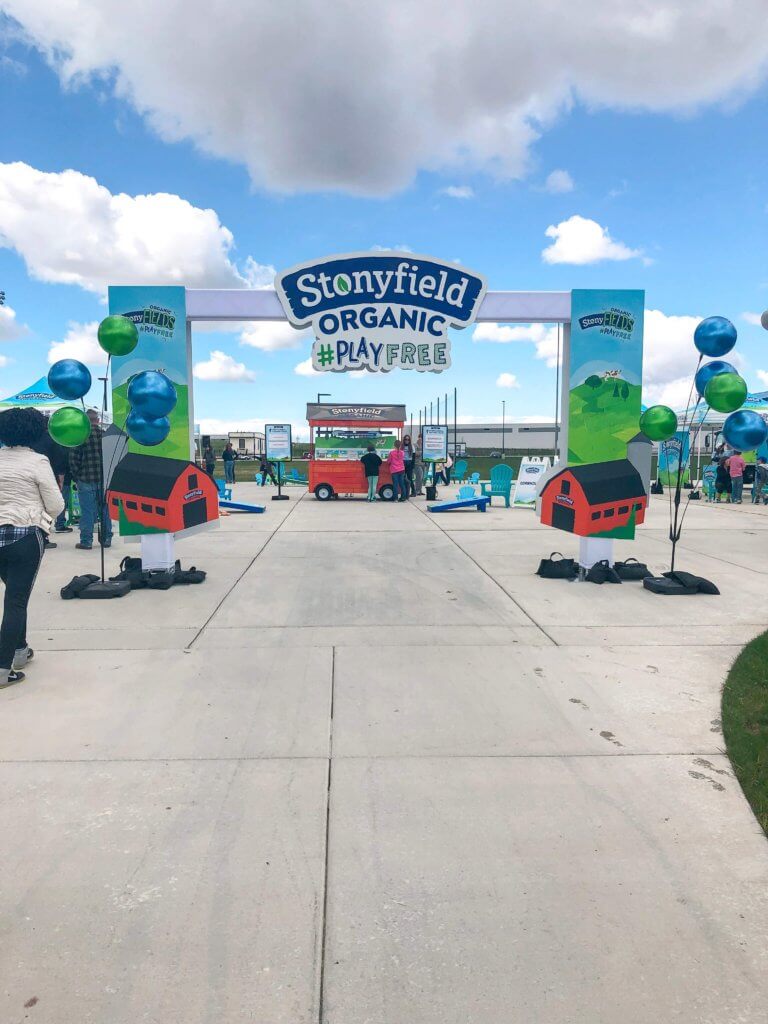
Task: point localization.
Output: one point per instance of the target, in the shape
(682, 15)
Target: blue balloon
(714, 336)
(69, 379)
(147, 431)
(709, 370)
(745, 430)
(152, 394)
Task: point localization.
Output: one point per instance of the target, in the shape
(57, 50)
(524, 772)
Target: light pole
(503, 428)
(322, 394)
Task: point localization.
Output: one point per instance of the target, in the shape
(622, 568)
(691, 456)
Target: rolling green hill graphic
(604, 415)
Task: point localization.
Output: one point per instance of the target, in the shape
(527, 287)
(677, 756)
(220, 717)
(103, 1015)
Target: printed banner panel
(278, 442)
(434, 443)
(670, 454)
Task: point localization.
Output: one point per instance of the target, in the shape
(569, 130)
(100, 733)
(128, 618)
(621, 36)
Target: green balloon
(69, 426)
(659, 422)
(118, 335)
(726, 392)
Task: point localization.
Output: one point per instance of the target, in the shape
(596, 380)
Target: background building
(247, 442)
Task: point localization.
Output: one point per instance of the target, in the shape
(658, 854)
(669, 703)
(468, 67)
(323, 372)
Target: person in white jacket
(30, 501)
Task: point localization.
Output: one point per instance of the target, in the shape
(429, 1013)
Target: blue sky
(683, 195)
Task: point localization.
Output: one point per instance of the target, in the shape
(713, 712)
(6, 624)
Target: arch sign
(378, 311)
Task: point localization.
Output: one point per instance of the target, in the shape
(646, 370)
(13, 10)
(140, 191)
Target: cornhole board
(480, 503)
(238, 506)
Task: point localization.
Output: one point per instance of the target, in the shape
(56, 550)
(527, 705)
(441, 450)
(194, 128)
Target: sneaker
(49, 544)
(108, 543)
(12, 677)
(84, 547)
(64, 529)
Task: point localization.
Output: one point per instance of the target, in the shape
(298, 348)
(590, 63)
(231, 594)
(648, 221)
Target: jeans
(373, 485)
(19, 563)
(229, 471)
(737, 482)
(89, 505)
(399, 485)
(419, 477)
(61, 519)
(410, 486)
(757, 492)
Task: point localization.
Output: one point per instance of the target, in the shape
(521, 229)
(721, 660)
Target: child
(396, 463)
(371, 463)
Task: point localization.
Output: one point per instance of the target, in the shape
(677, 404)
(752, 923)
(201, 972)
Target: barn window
(637, 506)
(159, 510)
(623, 510)
(116, 502)
(565, 487)
(596, 515)
(609, 512)
(131, 504)
(146, 508)
(192, 480)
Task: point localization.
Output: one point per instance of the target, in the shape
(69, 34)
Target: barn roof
(606, 481)
(148, 476)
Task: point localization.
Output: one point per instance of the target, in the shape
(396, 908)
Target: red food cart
(339, 435)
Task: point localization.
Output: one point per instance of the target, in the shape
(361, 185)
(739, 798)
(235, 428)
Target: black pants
(19, 563)
(410, 486)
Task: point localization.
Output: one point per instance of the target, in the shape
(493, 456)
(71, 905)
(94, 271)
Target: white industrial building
(247, 442)
(515, 437)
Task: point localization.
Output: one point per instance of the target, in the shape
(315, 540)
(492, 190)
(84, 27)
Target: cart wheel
(324, 492)
(386, 492)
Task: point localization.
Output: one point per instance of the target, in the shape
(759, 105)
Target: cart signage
(380, 311)
(434, 443)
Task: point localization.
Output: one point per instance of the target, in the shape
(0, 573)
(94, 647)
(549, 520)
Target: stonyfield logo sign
(617, 322)
(377, 312)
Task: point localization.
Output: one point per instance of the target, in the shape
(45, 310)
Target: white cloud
(751, 318)
(507, 380)
(80, 342)
(222, 367)
(10, 328)
(306, 369)
(559, 182)
(544, 337)
(458, 192)
(12, 66)
(4, 360)
(273, 335)
(246, 82)
(580, 240)
(762, 376)
(69, 229)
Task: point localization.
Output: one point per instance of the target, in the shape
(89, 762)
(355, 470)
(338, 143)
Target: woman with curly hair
(30, 501)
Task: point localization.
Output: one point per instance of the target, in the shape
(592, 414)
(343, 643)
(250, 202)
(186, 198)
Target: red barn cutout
(165, 494)
(597, 498)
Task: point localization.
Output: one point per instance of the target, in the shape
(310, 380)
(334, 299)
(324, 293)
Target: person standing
(58, 456)
(448, 468)
(396, 463)
(209, 459)
(736, 467)
(409, 459)
(30, 500)
(761, 479)
(229, 456)
(722, 480)
(87, 469)
(371, 465)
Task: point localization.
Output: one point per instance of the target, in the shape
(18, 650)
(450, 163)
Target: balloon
(659, 422)
(152, 394)
(147, 431)
(745, 430)
(118, 335)
(69, 379)
(709, 370)
(726, 392)
(714, 336)
(764, 319)
(69, 426)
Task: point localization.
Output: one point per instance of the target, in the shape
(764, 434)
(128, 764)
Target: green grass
(745, 724)
(601, 421)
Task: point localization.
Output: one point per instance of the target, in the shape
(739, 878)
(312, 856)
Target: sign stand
(278, 449)
(279, 496)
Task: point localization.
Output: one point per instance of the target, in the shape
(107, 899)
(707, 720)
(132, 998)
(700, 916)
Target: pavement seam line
(329, 780)
(263, 548)
(491, 578)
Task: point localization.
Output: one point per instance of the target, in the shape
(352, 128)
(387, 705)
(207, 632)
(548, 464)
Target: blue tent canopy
(36, 396)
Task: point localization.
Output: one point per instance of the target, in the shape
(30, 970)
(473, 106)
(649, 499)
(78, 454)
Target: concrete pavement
(374, 771)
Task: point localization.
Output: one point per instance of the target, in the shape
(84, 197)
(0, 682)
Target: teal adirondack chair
(225, 491)
(500, 485)
(475, 479)
(460, 470)
(467, 491)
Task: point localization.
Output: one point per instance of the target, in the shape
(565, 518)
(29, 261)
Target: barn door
(563, 518)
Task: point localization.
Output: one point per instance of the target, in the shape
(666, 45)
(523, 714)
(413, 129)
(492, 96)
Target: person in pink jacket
(396, 463)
